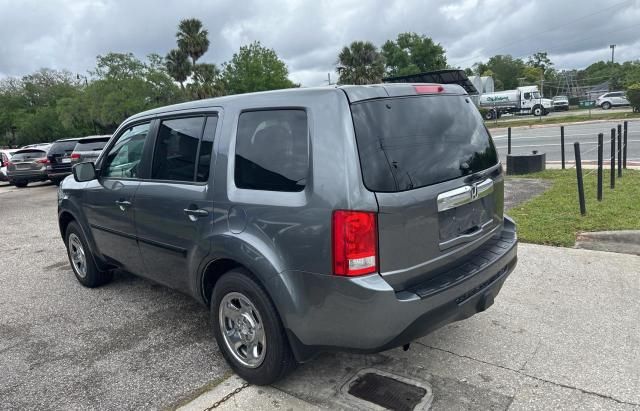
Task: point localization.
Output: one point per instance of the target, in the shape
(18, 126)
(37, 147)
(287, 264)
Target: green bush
(633, 94)
(483, 111)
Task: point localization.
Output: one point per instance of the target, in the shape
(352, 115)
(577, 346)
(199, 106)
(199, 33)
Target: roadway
(546, 139)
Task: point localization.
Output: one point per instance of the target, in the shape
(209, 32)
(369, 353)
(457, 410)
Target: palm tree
(206, 81)
(178, 66)
(360, 63)
(192, 38)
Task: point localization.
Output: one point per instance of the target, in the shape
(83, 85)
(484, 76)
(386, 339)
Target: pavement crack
(535, 351)
(524, 374)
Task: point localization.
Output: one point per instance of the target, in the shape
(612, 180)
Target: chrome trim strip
(463, 195)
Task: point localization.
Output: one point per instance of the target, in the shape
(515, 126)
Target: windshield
(28, 155)
(411, 142)
(535, 94)
(62, 147)
(91, 145)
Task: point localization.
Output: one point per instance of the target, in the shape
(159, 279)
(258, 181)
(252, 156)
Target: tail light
(355, 245)
(43, 161)
(75, 156)
(428, 88)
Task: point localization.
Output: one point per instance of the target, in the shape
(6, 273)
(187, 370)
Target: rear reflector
(354, 243)
(429, 89)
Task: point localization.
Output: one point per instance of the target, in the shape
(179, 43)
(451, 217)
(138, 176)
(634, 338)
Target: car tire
(537, 111)
(20, 184)
(81, 259)
(606, 105)
(244, 316)
(489, 115)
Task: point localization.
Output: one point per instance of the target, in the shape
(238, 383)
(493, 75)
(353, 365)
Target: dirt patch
(519, 190)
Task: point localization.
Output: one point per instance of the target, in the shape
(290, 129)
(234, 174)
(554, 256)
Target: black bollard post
(613, 158)
(619, 150)
(600, 141)
(576, 149)
(562, 145)
(509, 140)
(624, 146)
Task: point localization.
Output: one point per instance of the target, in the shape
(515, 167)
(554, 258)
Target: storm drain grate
(387, 392)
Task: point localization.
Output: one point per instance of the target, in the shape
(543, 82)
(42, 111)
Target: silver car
(89, 149)
(28, 165)
(615, 98)
(560, 103)
(5, 157)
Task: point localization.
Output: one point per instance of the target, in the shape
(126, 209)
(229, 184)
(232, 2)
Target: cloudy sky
(69, 34)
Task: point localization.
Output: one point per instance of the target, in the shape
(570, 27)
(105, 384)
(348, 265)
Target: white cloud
(69, 34)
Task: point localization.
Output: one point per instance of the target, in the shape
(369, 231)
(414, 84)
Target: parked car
(5, 157)
(560, 103)
(27, 165)
(613, 99)
(88, 149)
(338, 218)
(59, 159)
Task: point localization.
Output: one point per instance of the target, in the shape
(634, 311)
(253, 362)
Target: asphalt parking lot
(563, 334)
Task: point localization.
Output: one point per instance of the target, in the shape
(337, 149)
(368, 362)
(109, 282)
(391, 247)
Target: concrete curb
(630, 120)
(624, 242)
(252, 397)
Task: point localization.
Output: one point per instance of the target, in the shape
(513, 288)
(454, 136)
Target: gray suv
(341, 218)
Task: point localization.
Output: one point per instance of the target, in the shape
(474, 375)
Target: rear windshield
(91, 145)
(28, 155)
(61, 147)
(411, 142)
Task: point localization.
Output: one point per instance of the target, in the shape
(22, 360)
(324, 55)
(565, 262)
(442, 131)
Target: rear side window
(411, 142)
(272, 150)
(176, 149)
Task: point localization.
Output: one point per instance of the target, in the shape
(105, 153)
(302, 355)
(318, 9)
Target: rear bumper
(364, 314)
(40, 175)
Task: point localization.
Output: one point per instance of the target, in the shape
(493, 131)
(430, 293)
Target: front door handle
(123, 204)
(194, 214)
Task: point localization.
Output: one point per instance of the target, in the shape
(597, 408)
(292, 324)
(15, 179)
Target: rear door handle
(194, 214)
(123, 204)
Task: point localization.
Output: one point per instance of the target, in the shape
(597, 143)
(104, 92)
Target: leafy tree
(633, 94)
(360, 63)
(506, 69)
(412, 53)
(541, 61)
(532, 74)
(178, 66)
(192, 38)
(255, 68)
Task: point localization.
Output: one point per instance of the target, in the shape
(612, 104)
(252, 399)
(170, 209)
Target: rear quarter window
(410, 142)
(272, 150)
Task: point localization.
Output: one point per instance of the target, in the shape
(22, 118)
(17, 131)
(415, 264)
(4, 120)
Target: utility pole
(613, 48)
(329, 78)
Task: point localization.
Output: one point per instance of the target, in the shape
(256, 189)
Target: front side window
(176, 149)
(272, 150)
(125, 155)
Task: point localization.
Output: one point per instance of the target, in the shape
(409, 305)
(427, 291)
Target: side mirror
(84, 172)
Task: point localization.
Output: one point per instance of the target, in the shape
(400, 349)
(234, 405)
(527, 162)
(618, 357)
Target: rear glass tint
(411, 142)
(28, 155)
(61, 147)
(91, 145)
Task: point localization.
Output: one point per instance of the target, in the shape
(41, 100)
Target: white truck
(523, 100)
